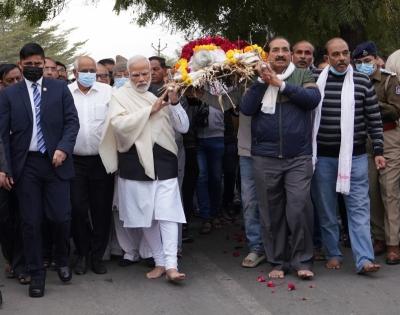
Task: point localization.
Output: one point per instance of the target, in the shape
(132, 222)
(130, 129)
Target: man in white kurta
(139, 143)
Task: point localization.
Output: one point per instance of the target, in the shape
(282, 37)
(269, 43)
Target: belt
(389, 126)
(37, 154)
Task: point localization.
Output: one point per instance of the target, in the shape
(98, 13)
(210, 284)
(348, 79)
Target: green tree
(14, 33)
(316, 20)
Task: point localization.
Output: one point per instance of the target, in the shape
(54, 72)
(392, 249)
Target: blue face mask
(335, 72)
(118, 82)
(86, 79)
(366, 68)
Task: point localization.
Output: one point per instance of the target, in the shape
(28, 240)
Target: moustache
(280, 59)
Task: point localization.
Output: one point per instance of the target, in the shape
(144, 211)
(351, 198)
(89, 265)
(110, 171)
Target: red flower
(291, 286)
(236, 253)
(270, 284)
(261, 279)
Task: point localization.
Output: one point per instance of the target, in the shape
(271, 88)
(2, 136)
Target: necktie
(37, 101)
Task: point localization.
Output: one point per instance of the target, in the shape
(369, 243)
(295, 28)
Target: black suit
(42, 190)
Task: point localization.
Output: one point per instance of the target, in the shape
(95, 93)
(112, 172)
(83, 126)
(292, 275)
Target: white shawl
(269, 100)
(346, 128)
(129, 122)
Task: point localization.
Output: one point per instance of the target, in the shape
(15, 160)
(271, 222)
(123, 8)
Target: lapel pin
(44, 89)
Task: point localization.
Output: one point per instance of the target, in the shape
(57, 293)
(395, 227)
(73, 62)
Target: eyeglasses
(137, 75)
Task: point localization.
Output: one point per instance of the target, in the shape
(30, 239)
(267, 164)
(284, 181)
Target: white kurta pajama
(153, 205)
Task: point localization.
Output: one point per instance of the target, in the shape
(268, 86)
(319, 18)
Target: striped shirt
(367, 117)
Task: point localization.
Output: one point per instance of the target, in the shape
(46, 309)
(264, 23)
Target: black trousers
(231, 161)
(91, 192)
(10, 231)
(189, 181)
(42, 194)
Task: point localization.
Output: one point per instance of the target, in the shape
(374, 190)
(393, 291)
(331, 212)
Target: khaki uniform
(385, 185)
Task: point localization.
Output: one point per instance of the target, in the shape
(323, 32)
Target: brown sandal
(393, 255)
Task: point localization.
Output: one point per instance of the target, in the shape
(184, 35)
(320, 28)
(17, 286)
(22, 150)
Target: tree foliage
(14, 33)
(315, 20)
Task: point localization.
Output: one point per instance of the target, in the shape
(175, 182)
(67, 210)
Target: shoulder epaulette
(388, 72)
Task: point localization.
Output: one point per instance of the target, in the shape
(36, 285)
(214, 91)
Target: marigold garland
(237, 62)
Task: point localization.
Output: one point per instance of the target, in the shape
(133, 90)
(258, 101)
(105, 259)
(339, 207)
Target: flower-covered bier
(207, 60)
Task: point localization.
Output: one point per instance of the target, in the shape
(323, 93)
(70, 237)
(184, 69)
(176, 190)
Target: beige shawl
(129, 122)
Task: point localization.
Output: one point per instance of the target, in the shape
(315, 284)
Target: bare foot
(174, 275)
(157, 272)
(369, 267)
(276, 274)
(333, 264)
(305, 274)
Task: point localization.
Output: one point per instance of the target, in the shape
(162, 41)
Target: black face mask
(32, 73)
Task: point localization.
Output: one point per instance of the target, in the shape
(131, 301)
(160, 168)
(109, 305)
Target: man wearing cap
(384, 184)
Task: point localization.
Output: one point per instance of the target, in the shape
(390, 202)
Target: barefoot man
(347, 113)
(280, 103)
(139, 143)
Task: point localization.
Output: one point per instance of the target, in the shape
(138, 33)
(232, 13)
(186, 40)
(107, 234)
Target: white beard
(141, 89)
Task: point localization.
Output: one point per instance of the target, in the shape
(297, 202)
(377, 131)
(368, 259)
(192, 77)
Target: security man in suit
(384, 184)
(39, 125)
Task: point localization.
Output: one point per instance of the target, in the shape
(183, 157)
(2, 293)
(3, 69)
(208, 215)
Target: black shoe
(36, 287)
(98, 267)
(64, 273)
(46, 262)
(126, 262)
(80, 266)
(150, 262)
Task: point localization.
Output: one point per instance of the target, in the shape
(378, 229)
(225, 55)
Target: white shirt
(34, 145)
(92, 110)
(179, 118)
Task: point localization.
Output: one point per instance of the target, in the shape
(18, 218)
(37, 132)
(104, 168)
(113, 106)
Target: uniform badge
(398, 90)
(364, 53)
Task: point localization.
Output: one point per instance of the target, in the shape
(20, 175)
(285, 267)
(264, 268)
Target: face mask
(86, 79)
(366, 68)
(118, 82)
(335, 72)
(32, 73)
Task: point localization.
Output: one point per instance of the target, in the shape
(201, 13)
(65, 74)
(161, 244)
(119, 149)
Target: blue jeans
(357, 204)
(210, 152)
(251, 212)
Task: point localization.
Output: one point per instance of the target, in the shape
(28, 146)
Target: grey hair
(78, 59)
(135, 59)
(393, 63)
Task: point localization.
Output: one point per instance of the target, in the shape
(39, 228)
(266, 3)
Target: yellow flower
(181, 67)
(230, 55)
(258, 49)
(204, 47)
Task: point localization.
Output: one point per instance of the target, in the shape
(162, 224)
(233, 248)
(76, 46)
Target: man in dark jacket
(38, 126)
(281, 104)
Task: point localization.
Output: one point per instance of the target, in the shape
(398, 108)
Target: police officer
(384, 184)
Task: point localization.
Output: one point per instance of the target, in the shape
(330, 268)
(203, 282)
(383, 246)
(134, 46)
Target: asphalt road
(216, 284)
